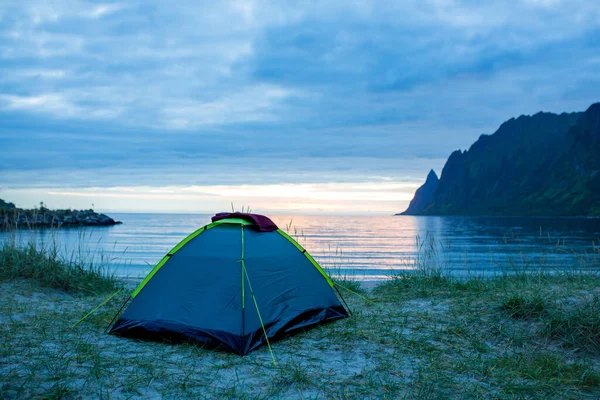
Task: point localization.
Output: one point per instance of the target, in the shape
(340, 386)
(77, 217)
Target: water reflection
(362, 246)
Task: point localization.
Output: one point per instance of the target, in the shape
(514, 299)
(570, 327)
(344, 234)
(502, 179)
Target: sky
(338, 107)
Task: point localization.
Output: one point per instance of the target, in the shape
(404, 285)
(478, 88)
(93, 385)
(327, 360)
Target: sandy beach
(423, 339)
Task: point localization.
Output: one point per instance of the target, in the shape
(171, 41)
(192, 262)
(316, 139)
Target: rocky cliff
(424, 195)
(544, 164)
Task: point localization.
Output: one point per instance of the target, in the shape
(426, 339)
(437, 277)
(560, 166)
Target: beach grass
(424, 334)
(447, 342)
(42, 262)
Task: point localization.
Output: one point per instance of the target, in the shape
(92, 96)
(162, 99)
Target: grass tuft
(549, 368)
(578, 328)
(349, 284)
(524, 306)
(44, 265)
(292, 374)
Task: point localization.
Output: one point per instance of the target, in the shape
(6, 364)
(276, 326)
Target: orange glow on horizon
(353, 197)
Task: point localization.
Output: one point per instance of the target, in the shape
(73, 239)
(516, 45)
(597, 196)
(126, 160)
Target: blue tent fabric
(201, 293)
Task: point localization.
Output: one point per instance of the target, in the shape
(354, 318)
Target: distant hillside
(6, 206)
(545, 164)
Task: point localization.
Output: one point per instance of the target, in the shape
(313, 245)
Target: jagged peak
(457, 153)
(432, 176)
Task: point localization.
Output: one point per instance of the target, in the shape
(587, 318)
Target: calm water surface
(365, 247)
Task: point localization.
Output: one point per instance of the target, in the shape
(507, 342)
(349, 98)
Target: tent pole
(255, 302)
(343, 300)
(117, 314)
(97, 307)
(243, 270)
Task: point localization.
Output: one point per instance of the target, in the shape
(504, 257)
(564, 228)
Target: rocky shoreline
(45, 218)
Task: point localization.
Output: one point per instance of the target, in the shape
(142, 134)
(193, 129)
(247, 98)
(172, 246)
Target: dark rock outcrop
(6, 206)
(424, 195)
(544, 164)
(43, 217)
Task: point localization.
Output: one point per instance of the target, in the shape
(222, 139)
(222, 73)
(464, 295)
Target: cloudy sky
(311, 107)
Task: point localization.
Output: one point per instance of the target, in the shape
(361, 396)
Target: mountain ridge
(543, 164)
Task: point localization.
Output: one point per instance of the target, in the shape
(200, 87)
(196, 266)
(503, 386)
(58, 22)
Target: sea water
(362, 247)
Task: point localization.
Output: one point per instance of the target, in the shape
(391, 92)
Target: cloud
(119, 92)
(254, 104)
(101, 10)
(44, 103)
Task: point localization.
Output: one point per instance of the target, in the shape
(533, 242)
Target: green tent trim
(242, 223)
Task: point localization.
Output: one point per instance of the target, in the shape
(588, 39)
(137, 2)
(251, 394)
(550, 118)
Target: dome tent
(234, 284)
